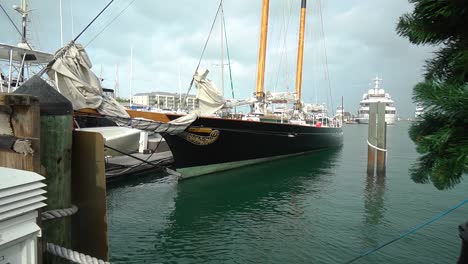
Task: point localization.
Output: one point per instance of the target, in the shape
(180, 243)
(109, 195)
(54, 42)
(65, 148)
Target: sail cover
(75, 80)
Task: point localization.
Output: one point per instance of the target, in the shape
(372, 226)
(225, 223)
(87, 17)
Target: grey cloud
(168, 35)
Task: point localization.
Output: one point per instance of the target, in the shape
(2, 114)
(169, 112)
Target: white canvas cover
(75, 80)
(281, 97)
(209, 98)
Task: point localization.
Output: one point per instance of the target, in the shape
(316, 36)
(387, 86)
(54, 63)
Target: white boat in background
(419, 112)
(374, 95)
(122, 138)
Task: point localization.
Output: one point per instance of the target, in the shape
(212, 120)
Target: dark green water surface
(317, 208)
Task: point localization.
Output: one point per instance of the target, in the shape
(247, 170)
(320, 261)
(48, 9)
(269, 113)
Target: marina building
(164, 100)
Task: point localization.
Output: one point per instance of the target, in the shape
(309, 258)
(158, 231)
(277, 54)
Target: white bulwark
(164, 100)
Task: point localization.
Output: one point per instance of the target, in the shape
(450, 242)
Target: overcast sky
(168, 36)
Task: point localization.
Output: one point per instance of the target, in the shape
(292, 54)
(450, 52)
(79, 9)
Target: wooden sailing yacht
(213, 144)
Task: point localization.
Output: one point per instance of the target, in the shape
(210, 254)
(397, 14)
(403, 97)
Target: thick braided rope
(59, 213)
(71, 255)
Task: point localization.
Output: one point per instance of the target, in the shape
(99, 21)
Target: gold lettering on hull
(199, 139)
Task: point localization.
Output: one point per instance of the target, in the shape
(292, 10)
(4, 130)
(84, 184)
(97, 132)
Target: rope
(412, 230)
(71, 255)
(59, 213)
(327, 73)
(203, 51)
(377, 148)
(92, 21)
(139, 164)
(23, 146)
(109, 23)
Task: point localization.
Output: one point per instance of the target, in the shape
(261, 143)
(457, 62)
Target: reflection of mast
(300, 53)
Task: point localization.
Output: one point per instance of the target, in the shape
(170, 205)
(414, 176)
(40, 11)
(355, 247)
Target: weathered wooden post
(56, 145)
(371, 139)
(376, 139)
(19, 120)
(381, 139)
(89, 226)
(20, 136)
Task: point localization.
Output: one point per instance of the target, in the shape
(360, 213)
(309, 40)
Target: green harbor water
(317, 208)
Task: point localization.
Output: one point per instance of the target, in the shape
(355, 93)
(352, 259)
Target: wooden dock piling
(377, 139)
(89, 226)
(381, 139)
(23, 113)
(56, 145)
(371, 139)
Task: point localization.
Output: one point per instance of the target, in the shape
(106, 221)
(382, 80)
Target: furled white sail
(75, 80)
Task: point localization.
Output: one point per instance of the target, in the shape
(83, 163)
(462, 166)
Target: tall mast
(300, 53)
(24, 13)
(262, 51)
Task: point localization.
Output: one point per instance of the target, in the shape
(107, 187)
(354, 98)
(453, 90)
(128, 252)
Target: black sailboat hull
(214, 144)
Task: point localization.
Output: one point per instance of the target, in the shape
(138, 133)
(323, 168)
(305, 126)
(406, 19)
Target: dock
(121, 167)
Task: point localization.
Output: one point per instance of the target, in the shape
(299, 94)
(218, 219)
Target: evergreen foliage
(442, 134)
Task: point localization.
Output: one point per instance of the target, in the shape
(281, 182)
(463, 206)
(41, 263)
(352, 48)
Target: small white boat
(122, 138)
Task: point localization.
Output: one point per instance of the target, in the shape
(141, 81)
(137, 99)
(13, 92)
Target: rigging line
(62, 51)
(203, 52)
(13, 23)
(325, 54)
(273, 25)
(227, 51)
(92, 21)
(109, 23)
(412, 230)
(284, 53)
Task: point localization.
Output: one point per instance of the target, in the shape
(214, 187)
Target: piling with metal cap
(56, 115)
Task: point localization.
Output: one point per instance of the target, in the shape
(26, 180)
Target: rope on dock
(71, 255)
(59, 213)
(412, 230)
(377, 148)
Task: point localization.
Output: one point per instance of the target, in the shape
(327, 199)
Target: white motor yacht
(374, 95)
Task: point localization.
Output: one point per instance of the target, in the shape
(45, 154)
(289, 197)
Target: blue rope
(412, 230)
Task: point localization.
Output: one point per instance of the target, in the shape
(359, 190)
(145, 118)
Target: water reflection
(374, 199)
(214, 214)
(374, 208)
(250, 186)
